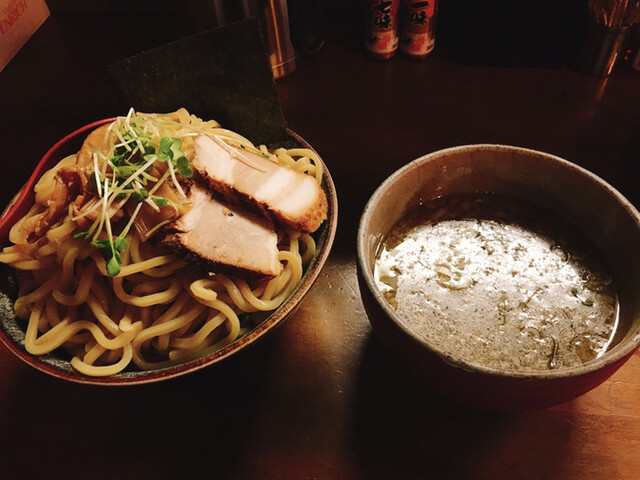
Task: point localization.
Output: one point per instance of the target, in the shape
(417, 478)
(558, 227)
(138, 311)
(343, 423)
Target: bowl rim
(609, 358)
(23, 200)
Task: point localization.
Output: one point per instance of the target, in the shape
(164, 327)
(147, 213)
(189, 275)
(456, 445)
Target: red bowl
(24, 199)
(602, 213)
(12, 329)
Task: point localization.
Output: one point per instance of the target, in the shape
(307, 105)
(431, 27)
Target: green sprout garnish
(125, 174)
(111, 250)
(169, 151)
(140, 195)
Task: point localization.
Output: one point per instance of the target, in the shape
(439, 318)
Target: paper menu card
(19, 19)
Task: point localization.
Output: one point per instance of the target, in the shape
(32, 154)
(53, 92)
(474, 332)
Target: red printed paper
(19, 19)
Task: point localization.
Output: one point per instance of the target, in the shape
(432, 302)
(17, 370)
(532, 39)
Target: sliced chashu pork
(244, 178)
(224, 239)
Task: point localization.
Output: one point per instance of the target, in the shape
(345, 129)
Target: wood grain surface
(320, 398)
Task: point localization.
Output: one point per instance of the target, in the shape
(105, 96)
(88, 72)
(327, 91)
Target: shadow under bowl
(12, 329)
(608, 220)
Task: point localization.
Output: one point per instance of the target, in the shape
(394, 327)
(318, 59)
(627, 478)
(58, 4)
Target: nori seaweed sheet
(222, 74)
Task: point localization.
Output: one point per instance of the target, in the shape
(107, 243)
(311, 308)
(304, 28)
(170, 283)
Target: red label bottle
(417, 27)
(382, 28)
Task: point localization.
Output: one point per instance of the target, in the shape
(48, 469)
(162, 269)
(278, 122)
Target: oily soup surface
(498, 282)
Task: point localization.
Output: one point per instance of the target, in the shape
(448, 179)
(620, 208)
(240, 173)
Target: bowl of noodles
(106, 282)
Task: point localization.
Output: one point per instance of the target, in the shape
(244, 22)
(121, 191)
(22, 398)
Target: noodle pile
(159, 310)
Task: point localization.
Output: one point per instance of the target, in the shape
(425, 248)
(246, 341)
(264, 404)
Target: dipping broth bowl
(605, 217)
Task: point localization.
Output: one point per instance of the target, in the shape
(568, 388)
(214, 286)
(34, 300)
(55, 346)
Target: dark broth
(499, 282)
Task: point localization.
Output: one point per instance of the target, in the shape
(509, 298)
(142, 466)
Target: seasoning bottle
(417, 27)
(381, 35)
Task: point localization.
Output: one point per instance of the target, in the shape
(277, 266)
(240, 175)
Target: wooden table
(321, 398)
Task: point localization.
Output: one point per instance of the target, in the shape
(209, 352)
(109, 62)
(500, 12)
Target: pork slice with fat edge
(289, 197)
(223, 238)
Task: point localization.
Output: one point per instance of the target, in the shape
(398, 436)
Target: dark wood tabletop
(320, 398)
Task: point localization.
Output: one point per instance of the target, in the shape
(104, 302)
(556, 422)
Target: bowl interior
(12, 329)
(604, 216)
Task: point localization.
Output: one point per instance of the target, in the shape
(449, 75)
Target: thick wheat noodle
(102, 316)
(69, 256)
(159, 295)
(84, 285)
(93, 353)
(64, 330)
(145, 266)
(51, 311)
(163, 324)
(232, 323)
(309, 248)
(168, 326)
(197, 338)
(175, 356)
(106, 370)
(19, 258)
(314, 167)
(25, 265)
(37, 295)
(159, 266)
